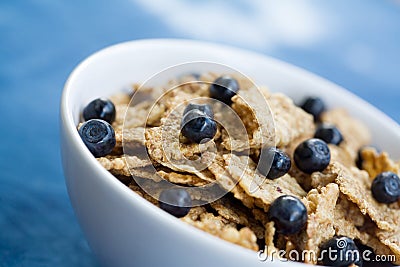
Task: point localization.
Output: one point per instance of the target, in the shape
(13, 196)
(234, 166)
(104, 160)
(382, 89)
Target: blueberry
(100, 108)
(315, 106)
(289, 214)
(204, 108)
(176, 201)
(340, 251)
(198, 127)
(386, 187)
(329, 133)
(368, 256)
(273, 163)
(98, 136)
(224, 88)
(312, 155)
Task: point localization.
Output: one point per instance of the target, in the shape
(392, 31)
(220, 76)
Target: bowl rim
(106, 177)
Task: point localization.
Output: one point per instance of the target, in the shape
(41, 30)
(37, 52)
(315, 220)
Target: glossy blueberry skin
(198, 127)
(100, 108)
(312, 155)
(314, 106)
(329, 133)
(176, 201)
(224, 88)
(340, 251)
(289, 214)
(202, 107)
(386, 187)
(278, 160)
(98, 136)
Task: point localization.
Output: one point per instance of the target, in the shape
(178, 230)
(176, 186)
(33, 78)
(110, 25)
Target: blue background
(353, 43)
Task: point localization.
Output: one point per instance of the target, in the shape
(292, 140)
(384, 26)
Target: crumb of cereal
(130, 116)
(153, 187)
(130, 138)
(175, 100)
(345, 212)
(193, 86)
(375, 163)
(218, 226)
(218, 168)
(342, 154)
(255, 115)
(231, 212)
(181, 178)
(122, 98)
(291, 122)
(226, 181)
(155, 114)
(355, 184)
(355, 133)
(349, 211)
(163, 146)
(121, 165)
(237, 213)
(269, 237)
(279, 125)
(138, 190)
(163, 142)
(320, 205)
(321, 179)
(392, 241)
(243, 169)
(195, 212)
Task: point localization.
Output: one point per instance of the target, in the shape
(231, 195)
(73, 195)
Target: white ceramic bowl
(122, 228)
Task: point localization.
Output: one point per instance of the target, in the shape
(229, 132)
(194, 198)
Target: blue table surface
(353, 43)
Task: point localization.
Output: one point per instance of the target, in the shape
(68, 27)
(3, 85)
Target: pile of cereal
(303, 178)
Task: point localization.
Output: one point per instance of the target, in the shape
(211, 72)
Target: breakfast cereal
(231, 198)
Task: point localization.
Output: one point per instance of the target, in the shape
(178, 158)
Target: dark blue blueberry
(202, 107)
(273, 163)
(359, 260)
(329, 133)
(98, 136)
(340, 251)
(386, 187)
(359, 160)
(315, 106)
(224, 88)
(198, 127)
(368, 256)
(312, 155)
(289, 214)
(176, 201)
(100, 108)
